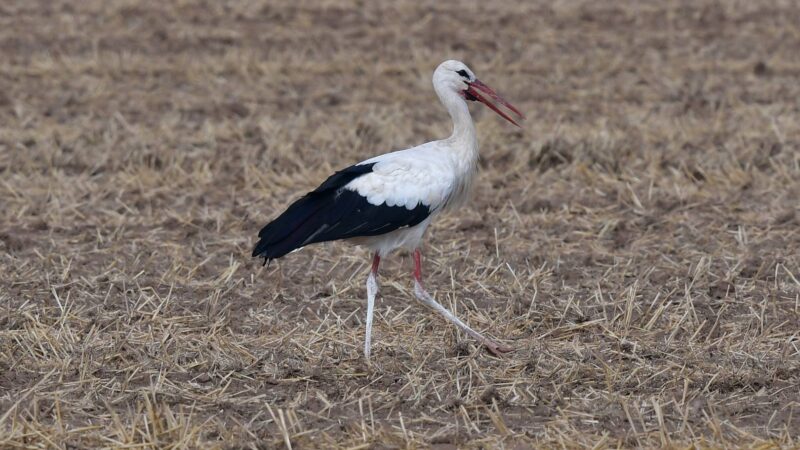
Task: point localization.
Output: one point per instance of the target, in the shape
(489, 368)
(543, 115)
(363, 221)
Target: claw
(497, 349)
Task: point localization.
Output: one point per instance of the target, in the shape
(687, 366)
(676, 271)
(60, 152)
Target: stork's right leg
(423, 296)
(372, 291)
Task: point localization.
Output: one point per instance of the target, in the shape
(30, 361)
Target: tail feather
(285, 233)
(291, 229)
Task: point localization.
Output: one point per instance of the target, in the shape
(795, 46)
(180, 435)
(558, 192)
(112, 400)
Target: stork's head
(456, 76)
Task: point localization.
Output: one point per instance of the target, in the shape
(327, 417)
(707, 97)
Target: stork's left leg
(423, 296)
(372, 291)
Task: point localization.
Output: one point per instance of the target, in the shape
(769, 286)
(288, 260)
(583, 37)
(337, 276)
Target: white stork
(387, 202)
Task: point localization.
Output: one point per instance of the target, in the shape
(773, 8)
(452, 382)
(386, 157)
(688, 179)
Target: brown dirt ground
(638, 242)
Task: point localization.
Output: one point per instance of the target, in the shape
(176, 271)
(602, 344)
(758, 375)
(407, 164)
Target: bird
(387, 202)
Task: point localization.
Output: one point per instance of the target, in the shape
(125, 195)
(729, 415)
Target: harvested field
(637, 242)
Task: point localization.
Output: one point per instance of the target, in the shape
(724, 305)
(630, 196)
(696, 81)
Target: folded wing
(368, 199)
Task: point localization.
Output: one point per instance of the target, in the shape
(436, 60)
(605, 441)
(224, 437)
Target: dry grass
(638, 242)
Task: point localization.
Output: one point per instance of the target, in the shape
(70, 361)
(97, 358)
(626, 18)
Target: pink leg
(376, 261)
(423, 296)
(372, 291)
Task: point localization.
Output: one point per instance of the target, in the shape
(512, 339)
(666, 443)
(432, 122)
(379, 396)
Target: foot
(495, 348)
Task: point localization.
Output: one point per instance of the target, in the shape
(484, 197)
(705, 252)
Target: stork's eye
(463, 73)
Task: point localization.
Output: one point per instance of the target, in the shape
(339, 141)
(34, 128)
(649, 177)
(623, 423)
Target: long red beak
(477, 89)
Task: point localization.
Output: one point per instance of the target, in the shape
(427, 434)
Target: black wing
(329, 213)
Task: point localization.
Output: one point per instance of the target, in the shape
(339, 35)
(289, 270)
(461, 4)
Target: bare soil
(637, 242)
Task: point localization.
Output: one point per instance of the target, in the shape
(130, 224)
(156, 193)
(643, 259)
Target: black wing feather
(331, 212)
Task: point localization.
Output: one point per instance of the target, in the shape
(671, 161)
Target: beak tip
(477, 86)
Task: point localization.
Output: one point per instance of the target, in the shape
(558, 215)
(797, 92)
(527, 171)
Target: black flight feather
(331, 212)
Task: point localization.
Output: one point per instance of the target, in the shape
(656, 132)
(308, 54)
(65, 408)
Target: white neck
(463, 140)
(462, 144)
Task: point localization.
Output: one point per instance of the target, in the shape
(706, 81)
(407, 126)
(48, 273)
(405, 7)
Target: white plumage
(422, 174)
(387, 202)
